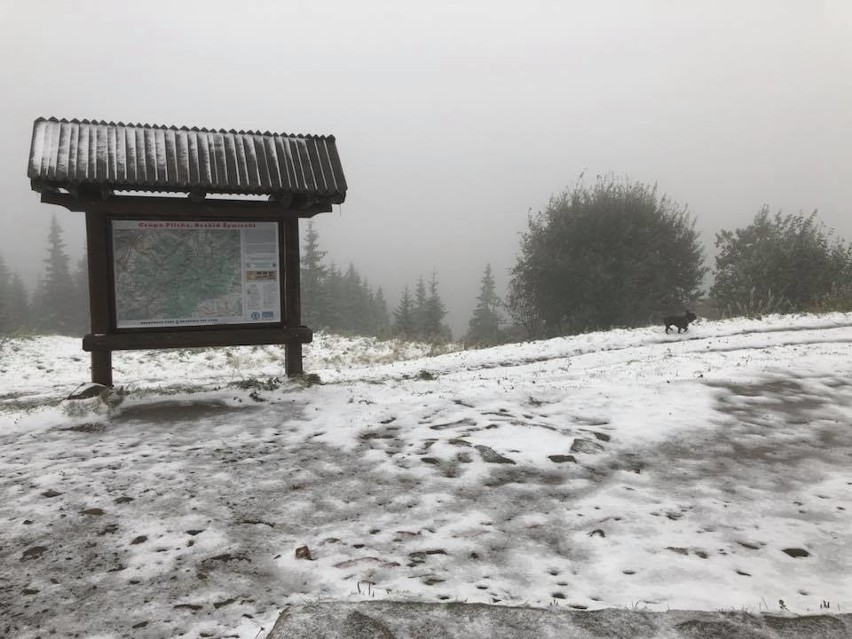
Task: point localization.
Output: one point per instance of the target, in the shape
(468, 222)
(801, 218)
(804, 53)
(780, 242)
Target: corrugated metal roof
(139, 157)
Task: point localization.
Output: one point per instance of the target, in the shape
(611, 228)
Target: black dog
(681, 321)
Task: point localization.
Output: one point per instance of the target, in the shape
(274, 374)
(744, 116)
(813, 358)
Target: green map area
(170, 274)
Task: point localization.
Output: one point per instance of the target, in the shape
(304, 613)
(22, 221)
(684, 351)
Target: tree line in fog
(614, 253)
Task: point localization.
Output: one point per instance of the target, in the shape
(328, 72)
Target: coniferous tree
(80, 279)
(55, 300)
(18, 316)
(381, 318)
(5, 295)
(404, 316)
(434, 311)
(338, 301)
(419, 308)
(484, 326)
(356, 303)
(315, 303)
(333, 319)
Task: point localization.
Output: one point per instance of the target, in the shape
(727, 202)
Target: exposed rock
(491, 456)
(89, 391)
(561, 459)
(303, 552)
(224, 602)
(226, 557)
(582, 445)
(419, 557)
(33, 553)
(797, 552)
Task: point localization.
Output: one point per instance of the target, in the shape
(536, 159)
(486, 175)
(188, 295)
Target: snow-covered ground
(710, 470)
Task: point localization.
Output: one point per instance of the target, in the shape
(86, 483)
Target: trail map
(195, 273)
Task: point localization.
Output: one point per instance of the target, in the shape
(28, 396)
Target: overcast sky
(454, 120)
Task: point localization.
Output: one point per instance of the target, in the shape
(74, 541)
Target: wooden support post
(97, 228)
(292, 296)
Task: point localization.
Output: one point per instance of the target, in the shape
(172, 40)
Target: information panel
(195, 273)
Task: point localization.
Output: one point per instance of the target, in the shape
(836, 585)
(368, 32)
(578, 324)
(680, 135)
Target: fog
(455, 120)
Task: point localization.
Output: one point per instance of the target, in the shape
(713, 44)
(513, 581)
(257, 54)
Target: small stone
(581, 445)
(33, 553)
(91, 390)
(797, 552)
(561, 459)
(420, 556)
(491, 456)
(303, 552)
(431, 580)
(224, 602)
(51, 493)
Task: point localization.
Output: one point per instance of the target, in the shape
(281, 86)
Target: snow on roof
(142, 157)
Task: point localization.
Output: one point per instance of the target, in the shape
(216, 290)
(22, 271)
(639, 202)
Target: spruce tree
(381, 318)
(56, 298)
(419, 309)
(433, 315)
(81, 296)
(484, 326)
(404, 316)
(18, 315)
(334, 312)
(355, 303)
(315, 304)
(5, 286)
